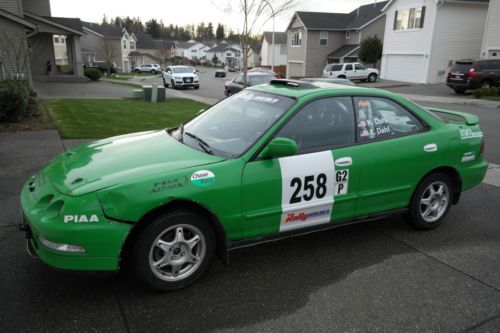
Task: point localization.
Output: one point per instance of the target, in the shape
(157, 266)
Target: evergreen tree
(370, 50)
(219, 32)
(153, 28)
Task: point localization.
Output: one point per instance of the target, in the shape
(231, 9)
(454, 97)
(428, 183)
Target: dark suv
(473, 74)
(100, 65)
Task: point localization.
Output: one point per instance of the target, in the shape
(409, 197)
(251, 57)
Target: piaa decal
(81, 218)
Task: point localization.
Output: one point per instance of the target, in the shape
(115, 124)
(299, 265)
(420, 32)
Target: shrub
(92, 73)
(492, 91)
(498, 91)
(478, 93)
(13, 100)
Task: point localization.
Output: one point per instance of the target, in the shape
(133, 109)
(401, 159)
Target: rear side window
(380, 118)
(348, 67)
(333, 68)
(489, 64)
(261, 79)
(461, 67)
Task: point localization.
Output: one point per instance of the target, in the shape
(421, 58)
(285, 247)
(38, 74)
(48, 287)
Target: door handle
(431, 147)
(343, 161)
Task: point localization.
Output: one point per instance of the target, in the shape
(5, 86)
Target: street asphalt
(375, 276)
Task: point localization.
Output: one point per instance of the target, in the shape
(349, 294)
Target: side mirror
(279, 147)
(200, 112)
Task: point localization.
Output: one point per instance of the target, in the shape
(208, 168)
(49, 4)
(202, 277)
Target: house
(315, 39)
(28, 25)
(193, 50)
(280, 49)
(491, 41)
(424, 37)
(153, 51)
(108, 43)
(228, 54)
(253, 57)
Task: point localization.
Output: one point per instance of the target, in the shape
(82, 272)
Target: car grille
(188, 80)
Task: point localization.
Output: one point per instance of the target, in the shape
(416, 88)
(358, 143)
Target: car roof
(299, 89)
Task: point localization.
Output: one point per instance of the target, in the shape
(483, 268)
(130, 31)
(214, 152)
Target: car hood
(121, 159)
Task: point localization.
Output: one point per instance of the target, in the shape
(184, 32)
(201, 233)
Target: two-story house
(153, 51)
(29, 26)
(108, 43)
(280, 49)
(315, 39)
(424, 37)
(491, 40)
(229, 55)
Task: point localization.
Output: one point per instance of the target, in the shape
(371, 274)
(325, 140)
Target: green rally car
(275, 160)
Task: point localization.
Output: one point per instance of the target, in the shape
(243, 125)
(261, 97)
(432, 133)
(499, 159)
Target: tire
(165, 84)
(228, 93)
(137, 71)
(428, 207)
(183, 242)
(485, 84)
(197, 87)
(341, 77)
(372, 77)
(153, 71)
(459, 91)
(172, 82)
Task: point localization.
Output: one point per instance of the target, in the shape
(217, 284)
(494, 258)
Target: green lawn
(93, 119)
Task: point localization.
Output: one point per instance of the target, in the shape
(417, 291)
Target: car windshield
(233, 125)
(182, 70)
(260, 79)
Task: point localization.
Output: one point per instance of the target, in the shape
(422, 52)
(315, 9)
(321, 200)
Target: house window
(283, 49)
(228, 54)
(63, 40)
(132, 45)
(296, 38)
(193, 51)
(237, 54)
(409, 18)
(124, 44)
(347, 34)
(323, 38)
(56, 39)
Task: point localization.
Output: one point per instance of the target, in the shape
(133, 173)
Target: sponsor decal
(467, 157)
(81, 218)
(203, 178)
(469, 134)
(303, 216)
(169, 184)
(248, 96)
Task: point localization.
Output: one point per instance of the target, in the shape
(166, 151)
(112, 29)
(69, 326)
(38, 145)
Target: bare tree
(15, 56)
(108, 49)
(254, 14)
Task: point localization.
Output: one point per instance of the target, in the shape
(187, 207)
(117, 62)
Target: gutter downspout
(427, 64)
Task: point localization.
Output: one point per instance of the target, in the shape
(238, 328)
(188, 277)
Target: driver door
(318, 185)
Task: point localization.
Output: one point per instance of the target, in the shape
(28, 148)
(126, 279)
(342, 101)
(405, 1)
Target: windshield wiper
(205, 146)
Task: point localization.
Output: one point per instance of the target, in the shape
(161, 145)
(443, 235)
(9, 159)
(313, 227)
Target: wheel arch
(455, 178)
(177, 204)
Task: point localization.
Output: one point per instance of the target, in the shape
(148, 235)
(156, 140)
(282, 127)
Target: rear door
(349, 71)
(318, 185)
(237, 84)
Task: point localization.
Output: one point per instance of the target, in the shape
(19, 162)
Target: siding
(267, 54)
(296, 53)
(12, 33)
(13, 6)
(458, 35)
(374, 28)
(316, 54)
(492, 29)
(37, 7)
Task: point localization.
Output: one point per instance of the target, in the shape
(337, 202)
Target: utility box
(154, 93)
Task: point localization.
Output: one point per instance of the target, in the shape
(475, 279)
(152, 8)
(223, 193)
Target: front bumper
(102, 241)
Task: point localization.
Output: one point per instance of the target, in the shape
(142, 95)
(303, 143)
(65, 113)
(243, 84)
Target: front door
(314, 187)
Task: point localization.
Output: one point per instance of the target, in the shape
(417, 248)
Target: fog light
(61, 247)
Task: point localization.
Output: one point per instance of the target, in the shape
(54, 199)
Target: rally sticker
(308, 183)
(469, 134)
(203, 178)
(81, 218)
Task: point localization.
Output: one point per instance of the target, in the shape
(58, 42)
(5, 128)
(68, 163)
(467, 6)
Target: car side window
(322, 125)
(348, 67)
(238, 79)
(379, 118)
(359, 67)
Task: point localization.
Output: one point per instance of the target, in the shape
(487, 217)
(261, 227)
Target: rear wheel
(372, 77)
(174, 250)
(153, 71)
(341, 77)
(485, 84)
(431, 202)
(460, 91)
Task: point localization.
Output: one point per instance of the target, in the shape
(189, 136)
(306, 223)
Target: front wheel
(165, 84)
(174, 250)
(173, 84)
(431, 202)
(197, 87)
(459, 91)
(372, 77)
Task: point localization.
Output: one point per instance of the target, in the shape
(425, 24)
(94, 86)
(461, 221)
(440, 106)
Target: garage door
(406, 68)
(295, 70)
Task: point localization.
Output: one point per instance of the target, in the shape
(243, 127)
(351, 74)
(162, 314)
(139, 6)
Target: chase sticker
(203, 178)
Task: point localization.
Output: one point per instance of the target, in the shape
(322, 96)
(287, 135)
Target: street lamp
(272, 39)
